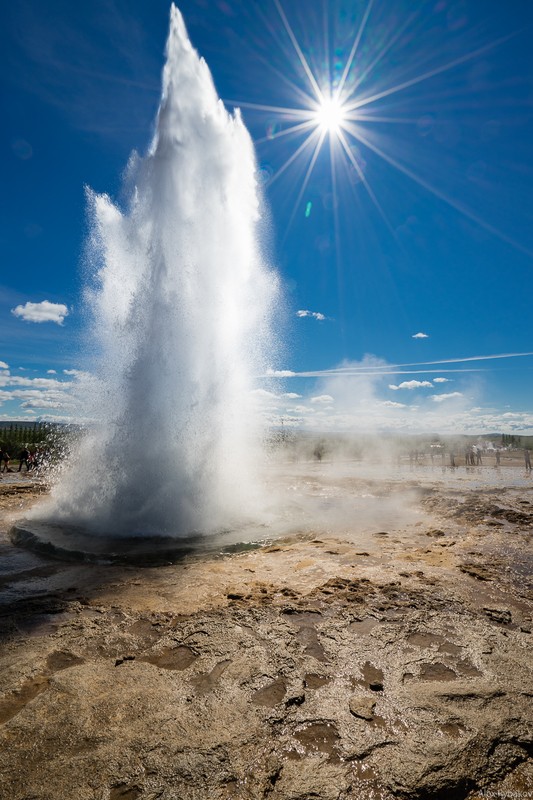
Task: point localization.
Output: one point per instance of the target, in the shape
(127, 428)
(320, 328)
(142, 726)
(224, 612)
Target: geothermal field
(379, 648)
(187, 614)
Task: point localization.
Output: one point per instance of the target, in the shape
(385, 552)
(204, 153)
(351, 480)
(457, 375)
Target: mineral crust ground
(352, 660)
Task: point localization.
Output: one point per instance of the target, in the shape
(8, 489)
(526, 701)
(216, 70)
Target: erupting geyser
(181, 319)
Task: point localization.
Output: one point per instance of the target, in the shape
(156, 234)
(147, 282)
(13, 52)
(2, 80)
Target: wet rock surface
(371, 667)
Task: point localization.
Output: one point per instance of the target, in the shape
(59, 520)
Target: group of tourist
(473, 457)
(26, 458)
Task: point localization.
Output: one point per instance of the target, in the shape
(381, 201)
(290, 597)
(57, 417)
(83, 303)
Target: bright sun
(330, 115)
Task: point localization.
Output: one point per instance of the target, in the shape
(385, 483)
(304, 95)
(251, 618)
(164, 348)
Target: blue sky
(415, 219)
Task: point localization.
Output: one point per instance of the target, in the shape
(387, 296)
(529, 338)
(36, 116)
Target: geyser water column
(180, 309)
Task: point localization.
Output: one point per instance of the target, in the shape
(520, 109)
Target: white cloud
(441, 380)
(291, 395)
(392, 404)
(39, 383)
(280, 373)
(41, 312)
(41, 398)
(410, 385)
(3, 365)
(420, 335)
(316, 314)
(322, 398)
(439, 398)
(41, 393)
(51, 372)
(41, 403)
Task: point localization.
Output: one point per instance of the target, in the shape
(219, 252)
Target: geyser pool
(180, 305)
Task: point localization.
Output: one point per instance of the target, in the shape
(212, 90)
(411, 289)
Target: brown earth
(392, 665)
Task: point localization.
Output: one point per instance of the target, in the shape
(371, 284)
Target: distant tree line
(509, 439)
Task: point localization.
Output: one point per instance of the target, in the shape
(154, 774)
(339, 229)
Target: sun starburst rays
(341, 101)
(303, 60)
(326, 114)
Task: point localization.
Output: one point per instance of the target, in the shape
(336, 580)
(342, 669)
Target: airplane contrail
(385, 369)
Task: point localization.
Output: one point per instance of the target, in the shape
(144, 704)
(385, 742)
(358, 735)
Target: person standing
(4, 461)
(527, 459)
(24, 458)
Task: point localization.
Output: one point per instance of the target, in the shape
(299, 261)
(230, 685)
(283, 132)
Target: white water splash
(181, 318)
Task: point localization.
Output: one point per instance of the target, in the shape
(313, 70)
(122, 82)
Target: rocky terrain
(391, 663)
